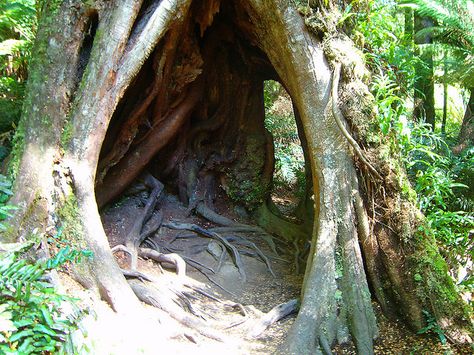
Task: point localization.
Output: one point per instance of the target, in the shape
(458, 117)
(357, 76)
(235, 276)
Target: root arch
(176, 88)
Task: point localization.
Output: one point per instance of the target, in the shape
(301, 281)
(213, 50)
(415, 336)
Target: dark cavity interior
(194, 118)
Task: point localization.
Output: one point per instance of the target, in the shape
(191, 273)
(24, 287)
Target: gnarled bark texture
(176, 87)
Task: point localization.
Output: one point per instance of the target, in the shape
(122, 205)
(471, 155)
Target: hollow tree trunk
(194, 114)
(390, 252)
(62, 137)
(332, 303)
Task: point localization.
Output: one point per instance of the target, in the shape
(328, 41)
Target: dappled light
(238, 177)
(289, 179)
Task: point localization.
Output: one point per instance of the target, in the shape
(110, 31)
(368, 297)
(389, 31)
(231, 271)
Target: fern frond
(457, 16)
(453, 33)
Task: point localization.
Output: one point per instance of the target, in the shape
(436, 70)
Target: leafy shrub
(31, 317)
(31, 320)
(432, 326)
(17, 32)
(443, 182)
(435, 173)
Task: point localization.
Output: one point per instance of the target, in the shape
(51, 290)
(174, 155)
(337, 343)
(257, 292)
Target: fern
(31, 321)
(453, 34)
(17, 32)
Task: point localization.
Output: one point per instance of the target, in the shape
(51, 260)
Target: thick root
(164, 301)
(275, 314)
(173, 259)
(232, 249)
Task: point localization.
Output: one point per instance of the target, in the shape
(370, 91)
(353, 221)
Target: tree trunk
(445, 96)
(62, 139)
(466, 135)
(187, 106)
(424, 109)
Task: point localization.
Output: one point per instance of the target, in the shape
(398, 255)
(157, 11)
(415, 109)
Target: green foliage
(31, 316)
(435, 173)
(453, 34)
(432, 327)
(5, 193)
(280, 122)
(442, 182)
(387, 47)
(17, 32)
(17, 150)
(390, 106)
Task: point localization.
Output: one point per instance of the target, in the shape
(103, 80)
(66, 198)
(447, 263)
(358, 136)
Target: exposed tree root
(136, 274)
(245, 242)
(231, 248)
(230, 226)
(135, 237)
(164, 301)
(275, 314)
(295, 234)
(173, 259)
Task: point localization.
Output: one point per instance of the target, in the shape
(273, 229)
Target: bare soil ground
(155, 332)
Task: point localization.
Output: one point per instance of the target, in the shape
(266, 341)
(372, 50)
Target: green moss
(17, 151)
(244, 179)
(54, 6)
(437, 290)
(36, 79)
(248, 193)
(30, 223)
(70, 223)
(66, 134)
(46, 120)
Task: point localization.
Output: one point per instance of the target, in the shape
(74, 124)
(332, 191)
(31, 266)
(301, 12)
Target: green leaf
(44, 329)
(23, 323)
(46, 315)
(26, 347)
(21, 334)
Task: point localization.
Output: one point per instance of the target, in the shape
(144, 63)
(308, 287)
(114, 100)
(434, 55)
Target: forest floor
(239, 306)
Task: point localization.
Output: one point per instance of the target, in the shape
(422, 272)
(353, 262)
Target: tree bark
(83, 116)
(203, 127)
(318, 323)
(424, 109)
(466, 135)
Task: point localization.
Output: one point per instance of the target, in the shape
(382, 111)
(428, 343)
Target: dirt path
(258, 294)
(154, 331)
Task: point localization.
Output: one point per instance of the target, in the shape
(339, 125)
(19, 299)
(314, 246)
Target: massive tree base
(176, 87)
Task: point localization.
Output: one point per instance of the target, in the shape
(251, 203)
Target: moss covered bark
(64, 131)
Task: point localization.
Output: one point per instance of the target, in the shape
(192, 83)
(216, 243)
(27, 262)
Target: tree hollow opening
(194, 118)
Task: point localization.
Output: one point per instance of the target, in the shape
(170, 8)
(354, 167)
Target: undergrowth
(34, 317)
(443, 181)
(280, 121)
(32, 312)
